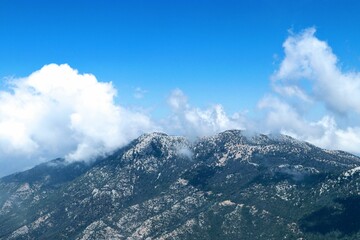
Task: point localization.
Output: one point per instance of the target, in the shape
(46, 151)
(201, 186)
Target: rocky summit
(234, 185)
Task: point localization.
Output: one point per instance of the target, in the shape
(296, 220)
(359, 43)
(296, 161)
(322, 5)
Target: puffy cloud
(196, 122)
(58, 112)
(309, 59)
(309, 76)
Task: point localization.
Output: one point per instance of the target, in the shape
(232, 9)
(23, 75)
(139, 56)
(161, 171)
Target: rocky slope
(230, 186)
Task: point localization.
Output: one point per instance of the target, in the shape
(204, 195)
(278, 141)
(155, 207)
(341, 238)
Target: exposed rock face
(230, 186)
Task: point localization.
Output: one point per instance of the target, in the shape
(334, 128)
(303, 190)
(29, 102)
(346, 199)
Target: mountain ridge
(231, 185)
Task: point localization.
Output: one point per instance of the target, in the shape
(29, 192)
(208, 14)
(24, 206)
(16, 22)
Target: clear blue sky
(215, 51)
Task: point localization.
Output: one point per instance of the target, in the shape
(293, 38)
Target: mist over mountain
(232, 185)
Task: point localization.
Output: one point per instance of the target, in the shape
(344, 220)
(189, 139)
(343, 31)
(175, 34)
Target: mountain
(234, 185)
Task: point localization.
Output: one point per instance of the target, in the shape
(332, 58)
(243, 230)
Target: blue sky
(223, 48)
(183, 67)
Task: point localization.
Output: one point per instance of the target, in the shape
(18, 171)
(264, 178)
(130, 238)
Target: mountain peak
(153, 135)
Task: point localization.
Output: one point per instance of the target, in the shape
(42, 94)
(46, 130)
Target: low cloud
(196, 122)
(58, 112)
(185, 151)
(309, 79)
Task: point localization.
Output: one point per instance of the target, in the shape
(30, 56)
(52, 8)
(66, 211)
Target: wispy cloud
(308, 59)
(196, 122)
(139, 93)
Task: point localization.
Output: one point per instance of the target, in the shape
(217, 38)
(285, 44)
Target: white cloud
(195, 122)
(58, 112)
(309, 76)
(178, 101)
(280, 116)
(292, 91)
(309, 59)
